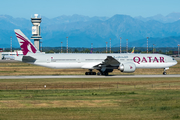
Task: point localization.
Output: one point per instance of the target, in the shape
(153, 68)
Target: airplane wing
(109, 62)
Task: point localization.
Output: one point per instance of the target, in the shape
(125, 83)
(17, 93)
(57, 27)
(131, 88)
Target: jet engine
(127, 67)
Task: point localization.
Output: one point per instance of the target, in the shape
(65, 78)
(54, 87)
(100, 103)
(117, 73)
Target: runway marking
(88, 76)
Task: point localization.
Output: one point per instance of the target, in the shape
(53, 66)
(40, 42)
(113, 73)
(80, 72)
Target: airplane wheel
(87, 73)
(90, 73)
(106, 73)
(93, 73)
(164, 73)
(98, 73)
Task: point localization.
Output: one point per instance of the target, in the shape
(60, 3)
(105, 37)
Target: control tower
(36, 30)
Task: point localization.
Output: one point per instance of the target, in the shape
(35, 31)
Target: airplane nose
(175, 62)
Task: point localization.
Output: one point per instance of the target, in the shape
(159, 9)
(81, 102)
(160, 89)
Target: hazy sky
(54, 8)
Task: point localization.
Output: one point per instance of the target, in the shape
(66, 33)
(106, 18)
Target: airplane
(103, 62)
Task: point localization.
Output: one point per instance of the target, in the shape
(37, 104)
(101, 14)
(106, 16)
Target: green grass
(117, 98)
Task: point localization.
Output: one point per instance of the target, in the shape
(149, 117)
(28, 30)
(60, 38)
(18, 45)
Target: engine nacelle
(127, 67)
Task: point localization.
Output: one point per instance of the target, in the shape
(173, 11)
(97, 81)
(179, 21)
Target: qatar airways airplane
(104, 63)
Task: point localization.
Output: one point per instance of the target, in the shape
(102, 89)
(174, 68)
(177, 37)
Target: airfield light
(153, 48)
(120, 44)
(110, 45)
(67, 45)
(178, 49)
(127, 45)
(91, 47)
(61, 46)
(11, 43)
(147, 44)
(41, 46)
(106, 46)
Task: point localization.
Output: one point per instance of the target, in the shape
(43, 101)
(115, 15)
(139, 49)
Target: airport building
(10, 55)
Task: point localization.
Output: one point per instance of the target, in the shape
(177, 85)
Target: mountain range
(163, 31)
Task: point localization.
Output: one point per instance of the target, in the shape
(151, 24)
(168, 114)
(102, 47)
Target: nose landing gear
(164, 73)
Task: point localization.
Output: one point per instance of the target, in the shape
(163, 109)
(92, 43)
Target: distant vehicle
(1, 50)
(104, 63)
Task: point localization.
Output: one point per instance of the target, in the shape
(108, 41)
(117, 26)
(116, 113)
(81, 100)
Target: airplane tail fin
(25, 43)
(133, 50)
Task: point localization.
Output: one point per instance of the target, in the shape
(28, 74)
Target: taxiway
(89, 76)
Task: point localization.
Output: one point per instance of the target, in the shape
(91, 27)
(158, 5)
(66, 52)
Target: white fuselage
(88, 60)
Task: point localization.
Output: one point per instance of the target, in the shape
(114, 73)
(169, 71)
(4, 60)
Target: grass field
(19, 68)
(87, 99)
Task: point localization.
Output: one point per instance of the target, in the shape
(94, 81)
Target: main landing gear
(94, 73)
(105, 72)
(164, 73)
(102, 73)
(90, 73)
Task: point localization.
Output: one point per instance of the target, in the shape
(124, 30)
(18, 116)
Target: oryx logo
(25, 45)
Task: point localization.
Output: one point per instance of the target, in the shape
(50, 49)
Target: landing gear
(105, 72)
(164, 73)
(102, 73)
(90, 73)
(99, 73)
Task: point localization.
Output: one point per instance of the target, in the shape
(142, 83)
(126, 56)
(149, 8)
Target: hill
(83, 30)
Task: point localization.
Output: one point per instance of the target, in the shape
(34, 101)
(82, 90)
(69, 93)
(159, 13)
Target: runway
(88, 76)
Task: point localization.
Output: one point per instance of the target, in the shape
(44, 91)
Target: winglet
(25, 43)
